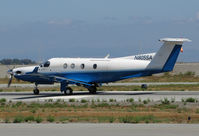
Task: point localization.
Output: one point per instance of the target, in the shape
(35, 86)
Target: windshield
(45, 64)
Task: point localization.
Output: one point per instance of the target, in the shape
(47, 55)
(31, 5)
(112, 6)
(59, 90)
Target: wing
(56, 78)
(60, 79)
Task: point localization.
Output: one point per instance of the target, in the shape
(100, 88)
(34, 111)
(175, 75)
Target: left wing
(60, 79)
(57, 78)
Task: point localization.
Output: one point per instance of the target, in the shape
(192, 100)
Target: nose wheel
(36, 91)
(68, 91)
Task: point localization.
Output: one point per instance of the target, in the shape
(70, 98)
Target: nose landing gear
(36, 90)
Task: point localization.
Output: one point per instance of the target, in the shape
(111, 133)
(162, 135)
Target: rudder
(165, 59)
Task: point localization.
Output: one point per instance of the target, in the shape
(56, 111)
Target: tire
(68, 91)
(36, 91)
(92, 90)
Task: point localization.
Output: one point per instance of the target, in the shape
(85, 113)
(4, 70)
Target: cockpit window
(47, 64)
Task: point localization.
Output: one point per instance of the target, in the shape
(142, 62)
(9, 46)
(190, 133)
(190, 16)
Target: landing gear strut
(64, 88)
(36, 90)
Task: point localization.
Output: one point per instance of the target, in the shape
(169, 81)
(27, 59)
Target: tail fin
(165, 59)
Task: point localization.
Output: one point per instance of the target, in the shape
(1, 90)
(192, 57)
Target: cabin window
(72, 65)
(82, 66)
(47, 64)
(94, 66)
(65, 65)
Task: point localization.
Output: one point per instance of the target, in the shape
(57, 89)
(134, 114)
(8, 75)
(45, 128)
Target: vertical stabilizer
(165, 59)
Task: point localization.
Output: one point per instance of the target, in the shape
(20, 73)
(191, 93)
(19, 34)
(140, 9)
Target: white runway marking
(64, 97)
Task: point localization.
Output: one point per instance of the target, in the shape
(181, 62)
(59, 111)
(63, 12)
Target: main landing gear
(36, 90)
(92, 89)
(64, 88)
(68, 91)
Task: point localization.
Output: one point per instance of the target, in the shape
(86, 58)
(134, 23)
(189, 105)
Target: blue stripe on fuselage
(97, 76)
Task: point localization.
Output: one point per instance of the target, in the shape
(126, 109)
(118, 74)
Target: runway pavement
(109, 84)
(101, 95)
(80, 129)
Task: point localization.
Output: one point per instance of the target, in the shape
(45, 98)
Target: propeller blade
(10, 72)
(10, 80)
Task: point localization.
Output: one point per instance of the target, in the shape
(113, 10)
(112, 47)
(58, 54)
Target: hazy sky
(42, 29)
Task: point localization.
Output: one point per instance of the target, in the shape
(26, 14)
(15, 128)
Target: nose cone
(24, 70)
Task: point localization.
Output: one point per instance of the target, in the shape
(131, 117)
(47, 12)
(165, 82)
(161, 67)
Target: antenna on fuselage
(107, 56)
(141, 48)
(40, 58)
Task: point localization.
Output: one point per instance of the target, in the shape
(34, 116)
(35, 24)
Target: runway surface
(109, 84)
(80, 129)
(101, 95)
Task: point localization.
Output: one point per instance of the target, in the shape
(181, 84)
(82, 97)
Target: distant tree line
(17, 62)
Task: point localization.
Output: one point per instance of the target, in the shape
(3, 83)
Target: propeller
(10, 72)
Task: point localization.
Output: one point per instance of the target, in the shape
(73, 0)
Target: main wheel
(68, 91)
(92, 89)
(36, 91)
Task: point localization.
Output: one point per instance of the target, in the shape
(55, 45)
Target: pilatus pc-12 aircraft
(93, 72)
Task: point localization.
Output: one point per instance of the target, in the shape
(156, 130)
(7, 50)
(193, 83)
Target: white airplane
(93, 72)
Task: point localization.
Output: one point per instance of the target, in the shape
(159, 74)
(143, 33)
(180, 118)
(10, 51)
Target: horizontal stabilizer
(180, 40)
